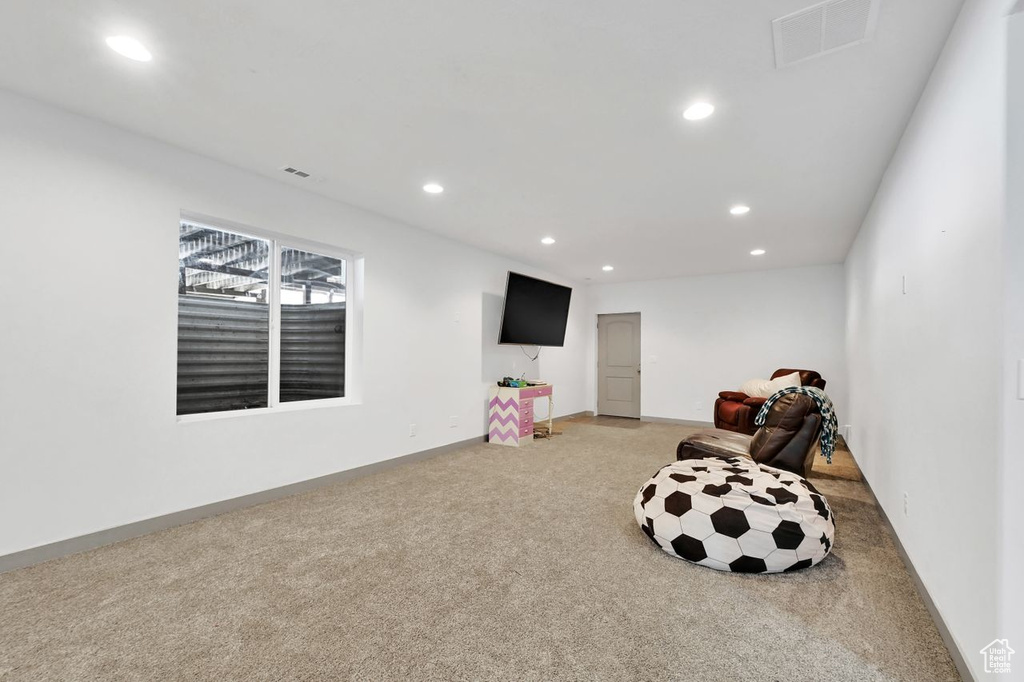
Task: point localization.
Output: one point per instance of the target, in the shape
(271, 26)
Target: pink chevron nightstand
(511, 413)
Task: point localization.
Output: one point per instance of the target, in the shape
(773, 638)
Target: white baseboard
(940, 623)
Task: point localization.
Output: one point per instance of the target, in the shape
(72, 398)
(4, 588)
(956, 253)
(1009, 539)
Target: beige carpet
(488, 563)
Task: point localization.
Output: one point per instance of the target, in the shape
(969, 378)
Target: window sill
(297, 406)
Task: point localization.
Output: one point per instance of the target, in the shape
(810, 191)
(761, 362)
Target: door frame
(597, 358)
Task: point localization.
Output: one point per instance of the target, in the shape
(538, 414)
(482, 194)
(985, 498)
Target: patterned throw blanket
(829, 423)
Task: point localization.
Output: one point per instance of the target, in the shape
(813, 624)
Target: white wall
(702, 335)
(924, 366)
(1012, 474)
(89, 436)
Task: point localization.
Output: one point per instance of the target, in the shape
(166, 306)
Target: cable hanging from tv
(523, 348)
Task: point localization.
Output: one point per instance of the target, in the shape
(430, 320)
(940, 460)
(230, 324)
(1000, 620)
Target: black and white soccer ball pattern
(736, 515)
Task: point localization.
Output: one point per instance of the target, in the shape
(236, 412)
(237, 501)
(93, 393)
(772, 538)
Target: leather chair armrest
(755, 402)
(733, 395)
(798, 454)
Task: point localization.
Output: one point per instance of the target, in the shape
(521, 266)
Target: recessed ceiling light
(126, 46)
(547, 240)
(739, 209)
(433, 188)
(757, 252)
(696, 112)
(608, 268)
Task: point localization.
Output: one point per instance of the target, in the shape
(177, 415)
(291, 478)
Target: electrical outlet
(412, 430)
(906, 504)
(699, 406)
(904, 284)
(453, 421)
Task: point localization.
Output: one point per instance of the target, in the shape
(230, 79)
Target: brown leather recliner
(735, 411)
(787, 439)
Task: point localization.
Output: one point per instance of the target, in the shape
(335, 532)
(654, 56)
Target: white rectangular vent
(826, 27)
(296, 172)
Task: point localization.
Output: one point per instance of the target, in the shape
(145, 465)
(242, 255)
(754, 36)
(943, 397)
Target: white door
(618, 365)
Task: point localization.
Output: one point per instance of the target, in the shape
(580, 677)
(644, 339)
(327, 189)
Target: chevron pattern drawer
(510, 414)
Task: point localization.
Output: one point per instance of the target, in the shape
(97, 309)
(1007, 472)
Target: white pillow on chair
(755, 388)
(766, 388)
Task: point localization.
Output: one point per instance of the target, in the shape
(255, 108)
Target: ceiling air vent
(823, 28)
(296, 172)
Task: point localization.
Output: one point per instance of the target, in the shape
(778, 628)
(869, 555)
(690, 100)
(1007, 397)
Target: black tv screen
(536, 312)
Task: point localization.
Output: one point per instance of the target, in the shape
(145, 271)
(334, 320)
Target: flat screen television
(535, 313)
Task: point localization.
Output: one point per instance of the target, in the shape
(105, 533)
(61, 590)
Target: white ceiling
(539, 117)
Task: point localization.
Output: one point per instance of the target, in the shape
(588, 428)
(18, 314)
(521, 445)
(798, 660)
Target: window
(261, 321)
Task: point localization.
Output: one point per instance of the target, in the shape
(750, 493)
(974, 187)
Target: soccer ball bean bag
(736, 515)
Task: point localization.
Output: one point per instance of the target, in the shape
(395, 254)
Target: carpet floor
(486, 563)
